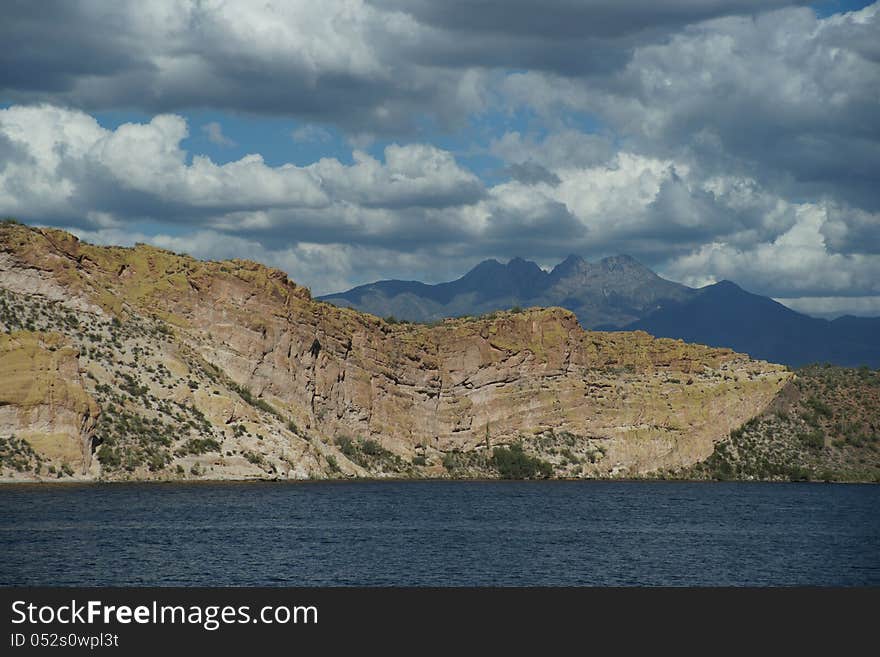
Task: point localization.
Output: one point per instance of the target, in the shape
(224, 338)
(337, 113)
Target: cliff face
(228, 369)
(42, 398)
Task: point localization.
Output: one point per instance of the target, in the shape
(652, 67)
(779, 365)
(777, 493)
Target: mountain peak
(518, 264)
(725, 285)
(621, 261)
(571, 263)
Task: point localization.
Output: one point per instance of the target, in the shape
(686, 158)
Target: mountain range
(613, 292)
(620, 293)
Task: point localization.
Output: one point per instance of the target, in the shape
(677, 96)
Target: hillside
(824, 425)
(724, 314)
(138, 363)
(610, 293)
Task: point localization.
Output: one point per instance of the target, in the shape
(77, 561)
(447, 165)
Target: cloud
(310, 134)
(214, 132)
(531, 173)
(559, 150)
(415, 175)
(592, 37)
(566, 19)
(852, 230)
(369, 66)
(831, 307)
(61, 164)
(337, 59)
(789, 98)
(418, 207)
(796, 264)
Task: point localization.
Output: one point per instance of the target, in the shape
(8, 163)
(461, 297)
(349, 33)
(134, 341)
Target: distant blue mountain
(613, 292)
(725, 315)
(619, 293)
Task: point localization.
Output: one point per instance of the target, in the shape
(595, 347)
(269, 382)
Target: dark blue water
(441, 533)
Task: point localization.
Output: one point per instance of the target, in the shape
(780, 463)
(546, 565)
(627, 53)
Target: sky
(347, 141)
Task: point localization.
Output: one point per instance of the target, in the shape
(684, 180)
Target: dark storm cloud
(587, 37)
(373, 71)
(571, 18)
(48, 45)
(170, 56)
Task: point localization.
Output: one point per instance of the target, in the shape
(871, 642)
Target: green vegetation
(257, 402)
(824, 426)
(513, 463)
(128, 440)
(198, 446)
(17, 454)
(369, 454)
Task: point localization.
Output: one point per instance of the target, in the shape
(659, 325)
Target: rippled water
(440, 533)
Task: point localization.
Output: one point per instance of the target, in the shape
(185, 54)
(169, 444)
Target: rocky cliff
(140, 363)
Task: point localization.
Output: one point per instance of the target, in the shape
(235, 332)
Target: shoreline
(398, 480)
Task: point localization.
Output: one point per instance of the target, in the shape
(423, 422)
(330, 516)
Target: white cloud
(831, 307)
(796, 264)
(62, 163)
(310, 133)
(412, 175)
(560, 150)
(214, 132)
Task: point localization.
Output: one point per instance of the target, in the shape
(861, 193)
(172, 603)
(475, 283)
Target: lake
(440, 533)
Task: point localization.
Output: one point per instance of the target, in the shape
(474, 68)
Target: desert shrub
(256, 459)
(17, 453)
(257, 402)
(372, 448)
(812, 439)
(819, 407)
(513, 463)
(109, 457)
(198, 446)
(346, 446)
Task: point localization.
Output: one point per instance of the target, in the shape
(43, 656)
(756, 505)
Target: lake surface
(440, 533)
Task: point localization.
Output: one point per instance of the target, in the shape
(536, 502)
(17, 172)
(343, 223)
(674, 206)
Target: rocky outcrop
(331, 391)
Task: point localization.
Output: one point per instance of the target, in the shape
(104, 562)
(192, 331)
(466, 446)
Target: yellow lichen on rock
(42, 399)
